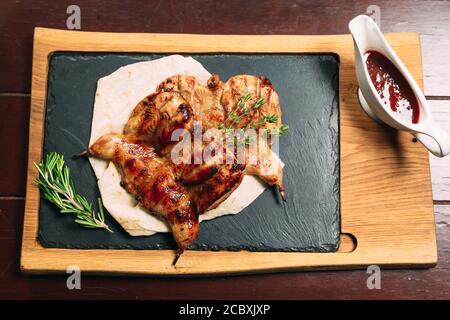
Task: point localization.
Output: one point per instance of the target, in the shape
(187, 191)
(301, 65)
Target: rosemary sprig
(57, 187)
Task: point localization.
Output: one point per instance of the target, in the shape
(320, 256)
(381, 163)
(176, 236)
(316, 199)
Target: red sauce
(392, 87)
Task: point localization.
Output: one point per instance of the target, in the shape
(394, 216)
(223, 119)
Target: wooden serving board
(387, 213)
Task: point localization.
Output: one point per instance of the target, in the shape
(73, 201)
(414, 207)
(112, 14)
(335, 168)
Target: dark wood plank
(14, 121)
(401, 284)
(18, 18)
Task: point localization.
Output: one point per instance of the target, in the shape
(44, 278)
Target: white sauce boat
(367, 36)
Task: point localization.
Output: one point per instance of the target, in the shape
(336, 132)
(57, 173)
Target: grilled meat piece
(204, 101)
(157, 116)
(180, 192)
(260, 89)
(158, 184)
(213, 105)
(151, 181)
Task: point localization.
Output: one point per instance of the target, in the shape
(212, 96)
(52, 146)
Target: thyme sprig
(57, 187)
(284, 128)
(235, 118)
(259, 103)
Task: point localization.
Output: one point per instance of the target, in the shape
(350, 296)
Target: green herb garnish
(259, 103)
(284, 128)
(243, 99)
(234, 118)
(271, 118)
(57, 187)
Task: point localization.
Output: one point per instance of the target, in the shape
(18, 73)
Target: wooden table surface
(431, 19)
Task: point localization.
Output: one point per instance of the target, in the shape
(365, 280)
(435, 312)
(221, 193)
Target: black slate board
(308, 88)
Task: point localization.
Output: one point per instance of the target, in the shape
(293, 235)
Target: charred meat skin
(151, 181)
(157, 116)
(178, 193)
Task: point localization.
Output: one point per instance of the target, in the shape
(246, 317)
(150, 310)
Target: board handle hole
(349, 243)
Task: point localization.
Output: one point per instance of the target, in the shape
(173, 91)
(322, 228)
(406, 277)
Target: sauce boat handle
(436, 140)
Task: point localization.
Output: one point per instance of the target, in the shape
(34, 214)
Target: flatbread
(115, 99)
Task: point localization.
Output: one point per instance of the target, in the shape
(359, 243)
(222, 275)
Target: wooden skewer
(281, 191)
(84, 153)
(178, 255)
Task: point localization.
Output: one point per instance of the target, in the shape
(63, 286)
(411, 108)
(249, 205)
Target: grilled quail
(180, 192)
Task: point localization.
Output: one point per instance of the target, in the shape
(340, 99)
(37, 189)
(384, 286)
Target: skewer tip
(282, 193)
(84, 153)
(178, 255)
